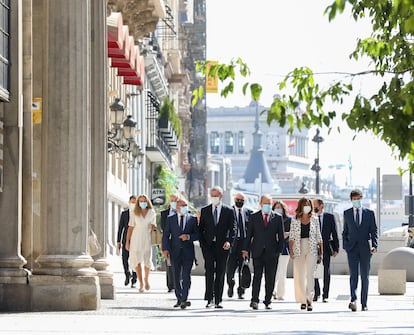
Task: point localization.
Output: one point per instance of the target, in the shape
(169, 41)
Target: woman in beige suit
(305, 246)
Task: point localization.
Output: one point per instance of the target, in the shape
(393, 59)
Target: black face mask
(316, 210)
(239, 204)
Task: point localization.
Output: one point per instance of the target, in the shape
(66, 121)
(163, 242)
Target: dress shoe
(254, 305)
(364, 308)
(170, 290)
(310, 308)
(315, 298)
(352, 306)
(133, 285)
(177, 304)
(268, 306)
(209, 304)
(218, 306)
(127, 277)
(303, 306)
(185, 304)
(240, 296)
(230, 291)
(325, 300)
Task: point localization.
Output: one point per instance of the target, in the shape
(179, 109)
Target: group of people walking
(229, 236)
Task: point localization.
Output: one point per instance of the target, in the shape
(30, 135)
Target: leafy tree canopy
(389, 113)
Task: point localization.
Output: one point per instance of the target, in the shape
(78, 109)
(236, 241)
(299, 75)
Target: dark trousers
(234, 262)
(326, 277)
(215, 260)
(182, 274)
(125, 263)
(169, 273)
(267, 263)
(359, 259)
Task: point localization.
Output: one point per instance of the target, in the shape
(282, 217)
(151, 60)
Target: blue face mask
(356, 203)
(173, 205)
(266, 208)
(143, 204)
(184, 210)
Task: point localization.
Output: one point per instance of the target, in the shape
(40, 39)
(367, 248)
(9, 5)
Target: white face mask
(215, 200)
(307, 209)
(279, 211)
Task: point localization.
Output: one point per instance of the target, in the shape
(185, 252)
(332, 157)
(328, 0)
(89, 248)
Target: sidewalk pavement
(152, 312)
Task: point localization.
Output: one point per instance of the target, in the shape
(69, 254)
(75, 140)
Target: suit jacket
(315, 236)
(259, 237)
(246, 212)
(329, 232)
(170, 237)
(163, 217)
(363, 233)
(123, 227)
(225, 230)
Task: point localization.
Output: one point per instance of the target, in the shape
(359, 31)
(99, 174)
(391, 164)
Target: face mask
(131, 207)
(307, 209)
(316, 209)
(239, 204)
(173, 205)
(279, 211)
(143, 204)
(215, 200)
(184, 210)
(266, 208)
(356, 203)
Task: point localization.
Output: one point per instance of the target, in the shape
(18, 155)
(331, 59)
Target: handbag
(246, 276)
(318, 271)
(94, 245)
(156, 237)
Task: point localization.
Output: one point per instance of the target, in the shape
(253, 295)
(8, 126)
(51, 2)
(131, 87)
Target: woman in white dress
(142, 221)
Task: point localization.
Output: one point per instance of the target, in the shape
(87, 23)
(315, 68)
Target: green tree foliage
(388, 113)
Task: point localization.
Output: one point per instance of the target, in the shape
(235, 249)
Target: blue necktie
(215, 216)
(182, 222)
(357, 217)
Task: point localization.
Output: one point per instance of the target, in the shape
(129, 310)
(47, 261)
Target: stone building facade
(65, 167)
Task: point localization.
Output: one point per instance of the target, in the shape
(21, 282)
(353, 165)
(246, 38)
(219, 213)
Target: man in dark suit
(217, 231)
(170, 210)
(265, 240)
(235, 259)
(122, 233)
(330, 246)
(360, 241)
(179, 234)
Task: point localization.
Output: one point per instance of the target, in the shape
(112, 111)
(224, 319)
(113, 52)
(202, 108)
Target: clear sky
(275, 36)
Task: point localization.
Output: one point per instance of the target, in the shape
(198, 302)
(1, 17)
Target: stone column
(65, 279)
(98, 210)
(14, 288)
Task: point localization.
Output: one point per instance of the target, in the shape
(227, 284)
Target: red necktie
(266, 219)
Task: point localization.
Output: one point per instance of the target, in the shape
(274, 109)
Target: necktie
(266, 219)
(215, 216)
(320, 222)
(357, 216)
(182, 222)
(241, 230)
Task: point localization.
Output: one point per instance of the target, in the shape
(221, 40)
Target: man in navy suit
(265, 240)
(217, 231)
(171, 209)
(121, 239)
(181, 230)
(360, 241)
(330, 246)
(235, 259)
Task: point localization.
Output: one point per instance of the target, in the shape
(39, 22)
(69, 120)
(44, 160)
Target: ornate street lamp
(316, 167)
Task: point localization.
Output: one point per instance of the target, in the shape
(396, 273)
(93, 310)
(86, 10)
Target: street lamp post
(316, 167)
